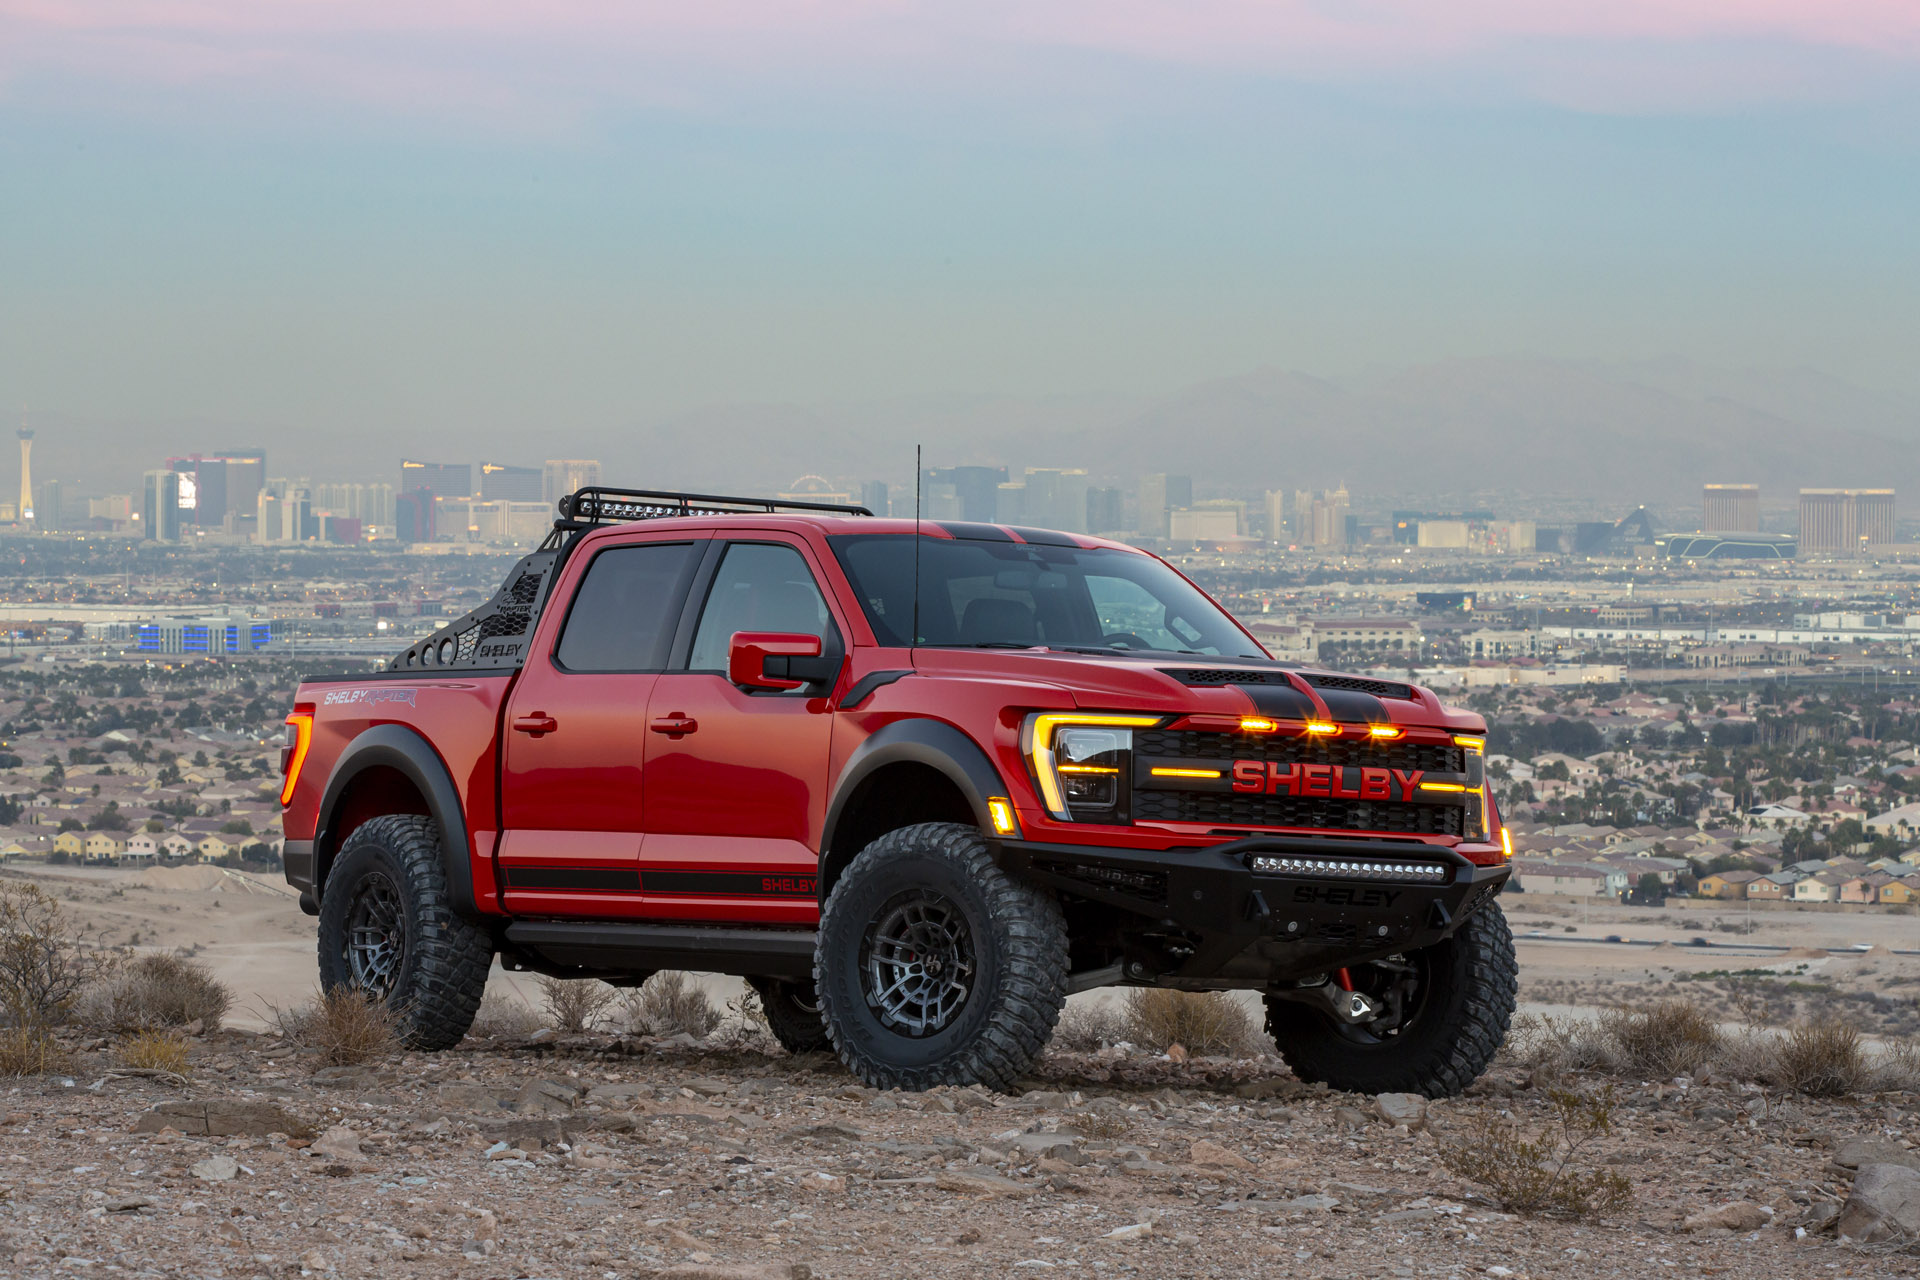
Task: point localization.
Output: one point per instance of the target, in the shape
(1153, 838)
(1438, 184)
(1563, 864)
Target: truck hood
(1180, 684)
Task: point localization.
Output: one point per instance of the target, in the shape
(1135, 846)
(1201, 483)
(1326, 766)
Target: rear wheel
(387, 929)
(793, 1014)
(935, 966)
(1444, 1012)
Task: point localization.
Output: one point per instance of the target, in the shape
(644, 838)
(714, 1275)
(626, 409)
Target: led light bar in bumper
(1351, 869)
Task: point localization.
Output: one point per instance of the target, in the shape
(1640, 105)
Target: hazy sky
(400, 220)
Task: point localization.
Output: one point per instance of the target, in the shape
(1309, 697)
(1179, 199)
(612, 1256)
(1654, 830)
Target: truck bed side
(379, 744)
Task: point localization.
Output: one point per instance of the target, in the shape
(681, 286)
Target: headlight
(1083, 763)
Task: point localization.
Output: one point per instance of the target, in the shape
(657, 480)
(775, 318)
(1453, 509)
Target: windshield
(979, 594)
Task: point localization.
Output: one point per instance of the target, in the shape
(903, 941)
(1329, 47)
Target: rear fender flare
(929, 742)
(403, 750)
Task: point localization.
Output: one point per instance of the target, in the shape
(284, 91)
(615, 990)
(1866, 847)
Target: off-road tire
(792, 1011)
(1463, 1020)
(441, 972)
(1018, 940)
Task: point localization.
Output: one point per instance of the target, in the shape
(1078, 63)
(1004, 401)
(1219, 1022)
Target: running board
(603, 947)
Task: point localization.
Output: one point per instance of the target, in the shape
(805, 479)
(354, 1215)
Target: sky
(398, 223)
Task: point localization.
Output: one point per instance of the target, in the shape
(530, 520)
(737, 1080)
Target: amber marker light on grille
(1000, 810)
(301, 722)
(1441, 786)
(1385, 731)
(1186, 773)
(1471, 744)
(1320, 728)
(1258, 724)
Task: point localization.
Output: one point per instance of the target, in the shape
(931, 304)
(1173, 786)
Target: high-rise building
(1320, 519)
(1730, 508)
(976, 489)
(441, 479)
(1056, 499)
(160, 506)
(49, 510)
(413, 516)
(873, 496)
(1106, 511)
(1161, 494)
(502, 483)
(564, 475)
(1845, 521)
(1276, 511)
(26, 475)
(246, 475)
(1010, 503)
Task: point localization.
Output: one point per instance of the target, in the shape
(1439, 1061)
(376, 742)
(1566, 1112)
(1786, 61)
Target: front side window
(622, 615)
(760, 586)
(975, 593)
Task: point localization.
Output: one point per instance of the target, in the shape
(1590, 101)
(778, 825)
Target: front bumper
(1266, 907)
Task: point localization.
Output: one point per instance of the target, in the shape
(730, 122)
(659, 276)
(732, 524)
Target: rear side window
(624, 612)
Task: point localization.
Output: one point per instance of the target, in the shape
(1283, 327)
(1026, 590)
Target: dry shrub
(1822, 1058)
(1668, 1038)
(1542, 1172)
(161, 989)
(44, 965)
(156, 1051)
(1203, 1022)
(1899, 1066)
(504, 1017)
(1554, 1046)
(669, 1004)
(1088, 1028)
(345, 1026)
(29, 1049)
(575, 1004)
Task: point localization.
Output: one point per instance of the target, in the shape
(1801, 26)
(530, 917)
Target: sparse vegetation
(670, 1004)
(504, 1017)
(1544, 1172)
(156, 1051)
(1088, 1028)
(44, 965)
(575, 1004)
(1667, 1039)
(29, 1049)
(160, 989)
(1210, 1022)
(1822, 1057)
(345, 1026)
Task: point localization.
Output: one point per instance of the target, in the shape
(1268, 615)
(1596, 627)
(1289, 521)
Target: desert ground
(616, 1155)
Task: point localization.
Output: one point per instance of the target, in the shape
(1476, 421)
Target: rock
(1214, 1156)
(827, 1183)
(222, 1118)
(1409, 1109)
(1885, 1205)
(216, 1169)
(1410, 1215)
(1735, 1215)
(1055, 1146)
(1855, 1152)
(721, 1271)
(127, 1204)
(314, 1260)
(345, 1077)
(1271, 1087)
(469, 1097)
(337, 1143)
(828, 1133)
(546, 1097)
(1308, 1204)
(1351, 1117)
(1176, 1053)
(707, 1087)
(979, 1183)
(1138, 1231)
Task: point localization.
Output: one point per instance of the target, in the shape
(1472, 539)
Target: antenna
(913, 641)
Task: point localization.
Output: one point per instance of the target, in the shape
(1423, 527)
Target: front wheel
(935, 966)
(388, 930)
(1444, 1013)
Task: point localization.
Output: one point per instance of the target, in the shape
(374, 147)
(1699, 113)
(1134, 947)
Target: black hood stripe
(1280, 702)
(1346, 706)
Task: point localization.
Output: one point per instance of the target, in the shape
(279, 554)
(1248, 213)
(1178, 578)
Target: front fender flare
(929, 742)
(397, 747)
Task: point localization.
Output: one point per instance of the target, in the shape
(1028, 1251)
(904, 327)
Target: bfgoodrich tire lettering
(793, 1016)
(387, 927)
(1471, 982)
(1008, 939)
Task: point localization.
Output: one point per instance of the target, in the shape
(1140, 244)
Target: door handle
(676, 725)
(535, 724)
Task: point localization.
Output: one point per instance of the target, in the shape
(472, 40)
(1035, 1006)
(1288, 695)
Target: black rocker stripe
(744, 884)
(592, 879)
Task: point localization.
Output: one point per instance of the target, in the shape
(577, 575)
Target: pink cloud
(446, 54)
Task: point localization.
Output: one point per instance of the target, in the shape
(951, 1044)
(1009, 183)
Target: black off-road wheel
(388, 929)
(1445, 1014)
(936, 967)
(792, 1010)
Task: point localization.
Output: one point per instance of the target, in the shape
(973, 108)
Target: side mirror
(777, 660)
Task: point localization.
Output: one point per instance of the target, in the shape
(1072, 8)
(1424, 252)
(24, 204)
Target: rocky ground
(601, 1157)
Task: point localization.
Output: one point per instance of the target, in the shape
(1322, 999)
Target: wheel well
(372, 793)
(891, 797)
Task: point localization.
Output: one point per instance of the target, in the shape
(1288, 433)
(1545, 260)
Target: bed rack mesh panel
(498, 632)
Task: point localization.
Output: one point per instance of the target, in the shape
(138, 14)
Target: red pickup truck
(916, 782)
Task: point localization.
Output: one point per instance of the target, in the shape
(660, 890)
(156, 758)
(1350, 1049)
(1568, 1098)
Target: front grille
(1189, 744)
(1224, 809)
(1360, 684)
(1225, 675)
